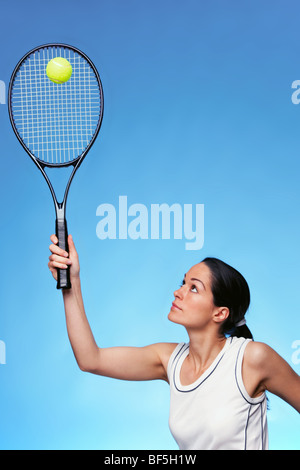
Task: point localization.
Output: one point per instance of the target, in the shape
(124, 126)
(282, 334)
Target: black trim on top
(201, 382)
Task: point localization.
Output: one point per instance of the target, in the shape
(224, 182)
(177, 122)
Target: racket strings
(56, 121)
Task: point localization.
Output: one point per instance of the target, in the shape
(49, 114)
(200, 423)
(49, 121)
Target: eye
(194, 288)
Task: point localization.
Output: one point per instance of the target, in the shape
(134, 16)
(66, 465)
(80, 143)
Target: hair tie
(241, 323)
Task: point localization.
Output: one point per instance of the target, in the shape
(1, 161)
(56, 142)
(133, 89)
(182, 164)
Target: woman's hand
(61, 259)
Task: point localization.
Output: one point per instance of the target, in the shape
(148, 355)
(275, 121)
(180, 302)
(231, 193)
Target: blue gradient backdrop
(198, 110)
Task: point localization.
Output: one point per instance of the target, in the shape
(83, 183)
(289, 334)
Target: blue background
(198, 110)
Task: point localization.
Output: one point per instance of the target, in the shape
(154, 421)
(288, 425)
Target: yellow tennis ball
(59, 70)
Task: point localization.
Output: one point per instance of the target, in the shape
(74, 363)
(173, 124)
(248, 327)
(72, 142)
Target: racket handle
(63, 275)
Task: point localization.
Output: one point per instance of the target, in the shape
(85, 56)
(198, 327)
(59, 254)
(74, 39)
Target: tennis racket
(56, 123)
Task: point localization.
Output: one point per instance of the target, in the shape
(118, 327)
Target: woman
(218, 381)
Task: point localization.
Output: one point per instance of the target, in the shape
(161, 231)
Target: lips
(175, 307)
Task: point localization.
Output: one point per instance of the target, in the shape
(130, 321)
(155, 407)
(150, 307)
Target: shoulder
(257, 353)
(274, 373)
(263, 359)
(260, 357)
(256, 367)
(165, 351)
(162, 351)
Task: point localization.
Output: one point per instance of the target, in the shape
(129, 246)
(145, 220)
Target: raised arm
(127, 363)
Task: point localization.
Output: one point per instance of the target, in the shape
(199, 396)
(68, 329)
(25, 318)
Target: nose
(178, 293)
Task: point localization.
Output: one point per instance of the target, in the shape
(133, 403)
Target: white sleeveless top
(216, 412)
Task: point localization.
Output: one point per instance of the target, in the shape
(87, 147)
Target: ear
(221, 314)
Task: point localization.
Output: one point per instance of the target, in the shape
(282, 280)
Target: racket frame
(63, 278)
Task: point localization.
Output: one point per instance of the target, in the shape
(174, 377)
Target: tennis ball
(59, 70)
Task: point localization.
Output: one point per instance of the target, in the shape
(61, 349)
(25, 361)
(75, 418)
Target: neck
(204, 348)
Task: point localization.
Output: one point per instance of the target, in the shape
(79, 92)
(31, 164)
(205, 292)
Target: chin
(175, 318)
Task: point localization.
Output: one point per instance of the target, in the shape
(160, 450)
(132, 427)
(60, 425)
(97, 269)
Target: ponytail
(241, 332)
(230, 289)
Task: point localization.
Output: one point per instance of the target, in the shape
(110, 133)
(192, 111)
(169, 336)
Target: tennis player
(218, 381)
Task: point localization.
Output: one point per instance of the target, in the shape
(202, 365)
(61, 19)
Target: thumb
(72, 249)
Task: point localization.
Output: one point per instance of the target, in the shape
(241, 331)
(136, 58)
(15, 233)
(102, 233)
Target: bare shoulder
(257, 353)
(165, 350)
(267, 370)
(264, 360)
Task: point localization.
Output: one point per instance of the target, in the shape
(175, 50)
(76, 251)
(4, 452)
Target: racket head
(55, 123)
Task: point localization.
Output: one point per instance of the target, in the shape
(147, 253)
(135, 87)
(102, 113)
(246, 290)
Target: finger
(53, 271)
(57, 264)
(54, 239)
(71, 243)
(60, 259)
(58, 251)
(72, 248)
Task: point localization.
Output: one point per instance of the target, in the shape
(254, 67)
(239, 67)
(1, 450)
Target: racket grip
(63, 275)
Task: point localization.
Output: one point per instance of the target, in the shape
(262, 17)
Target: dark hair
(230, 289)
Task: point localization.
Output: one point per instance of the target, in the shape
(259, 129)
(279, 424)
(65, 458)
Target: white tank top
(216, 412)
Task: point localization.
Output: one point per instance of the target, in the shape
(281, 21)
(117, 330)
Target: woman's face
(193, 306)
